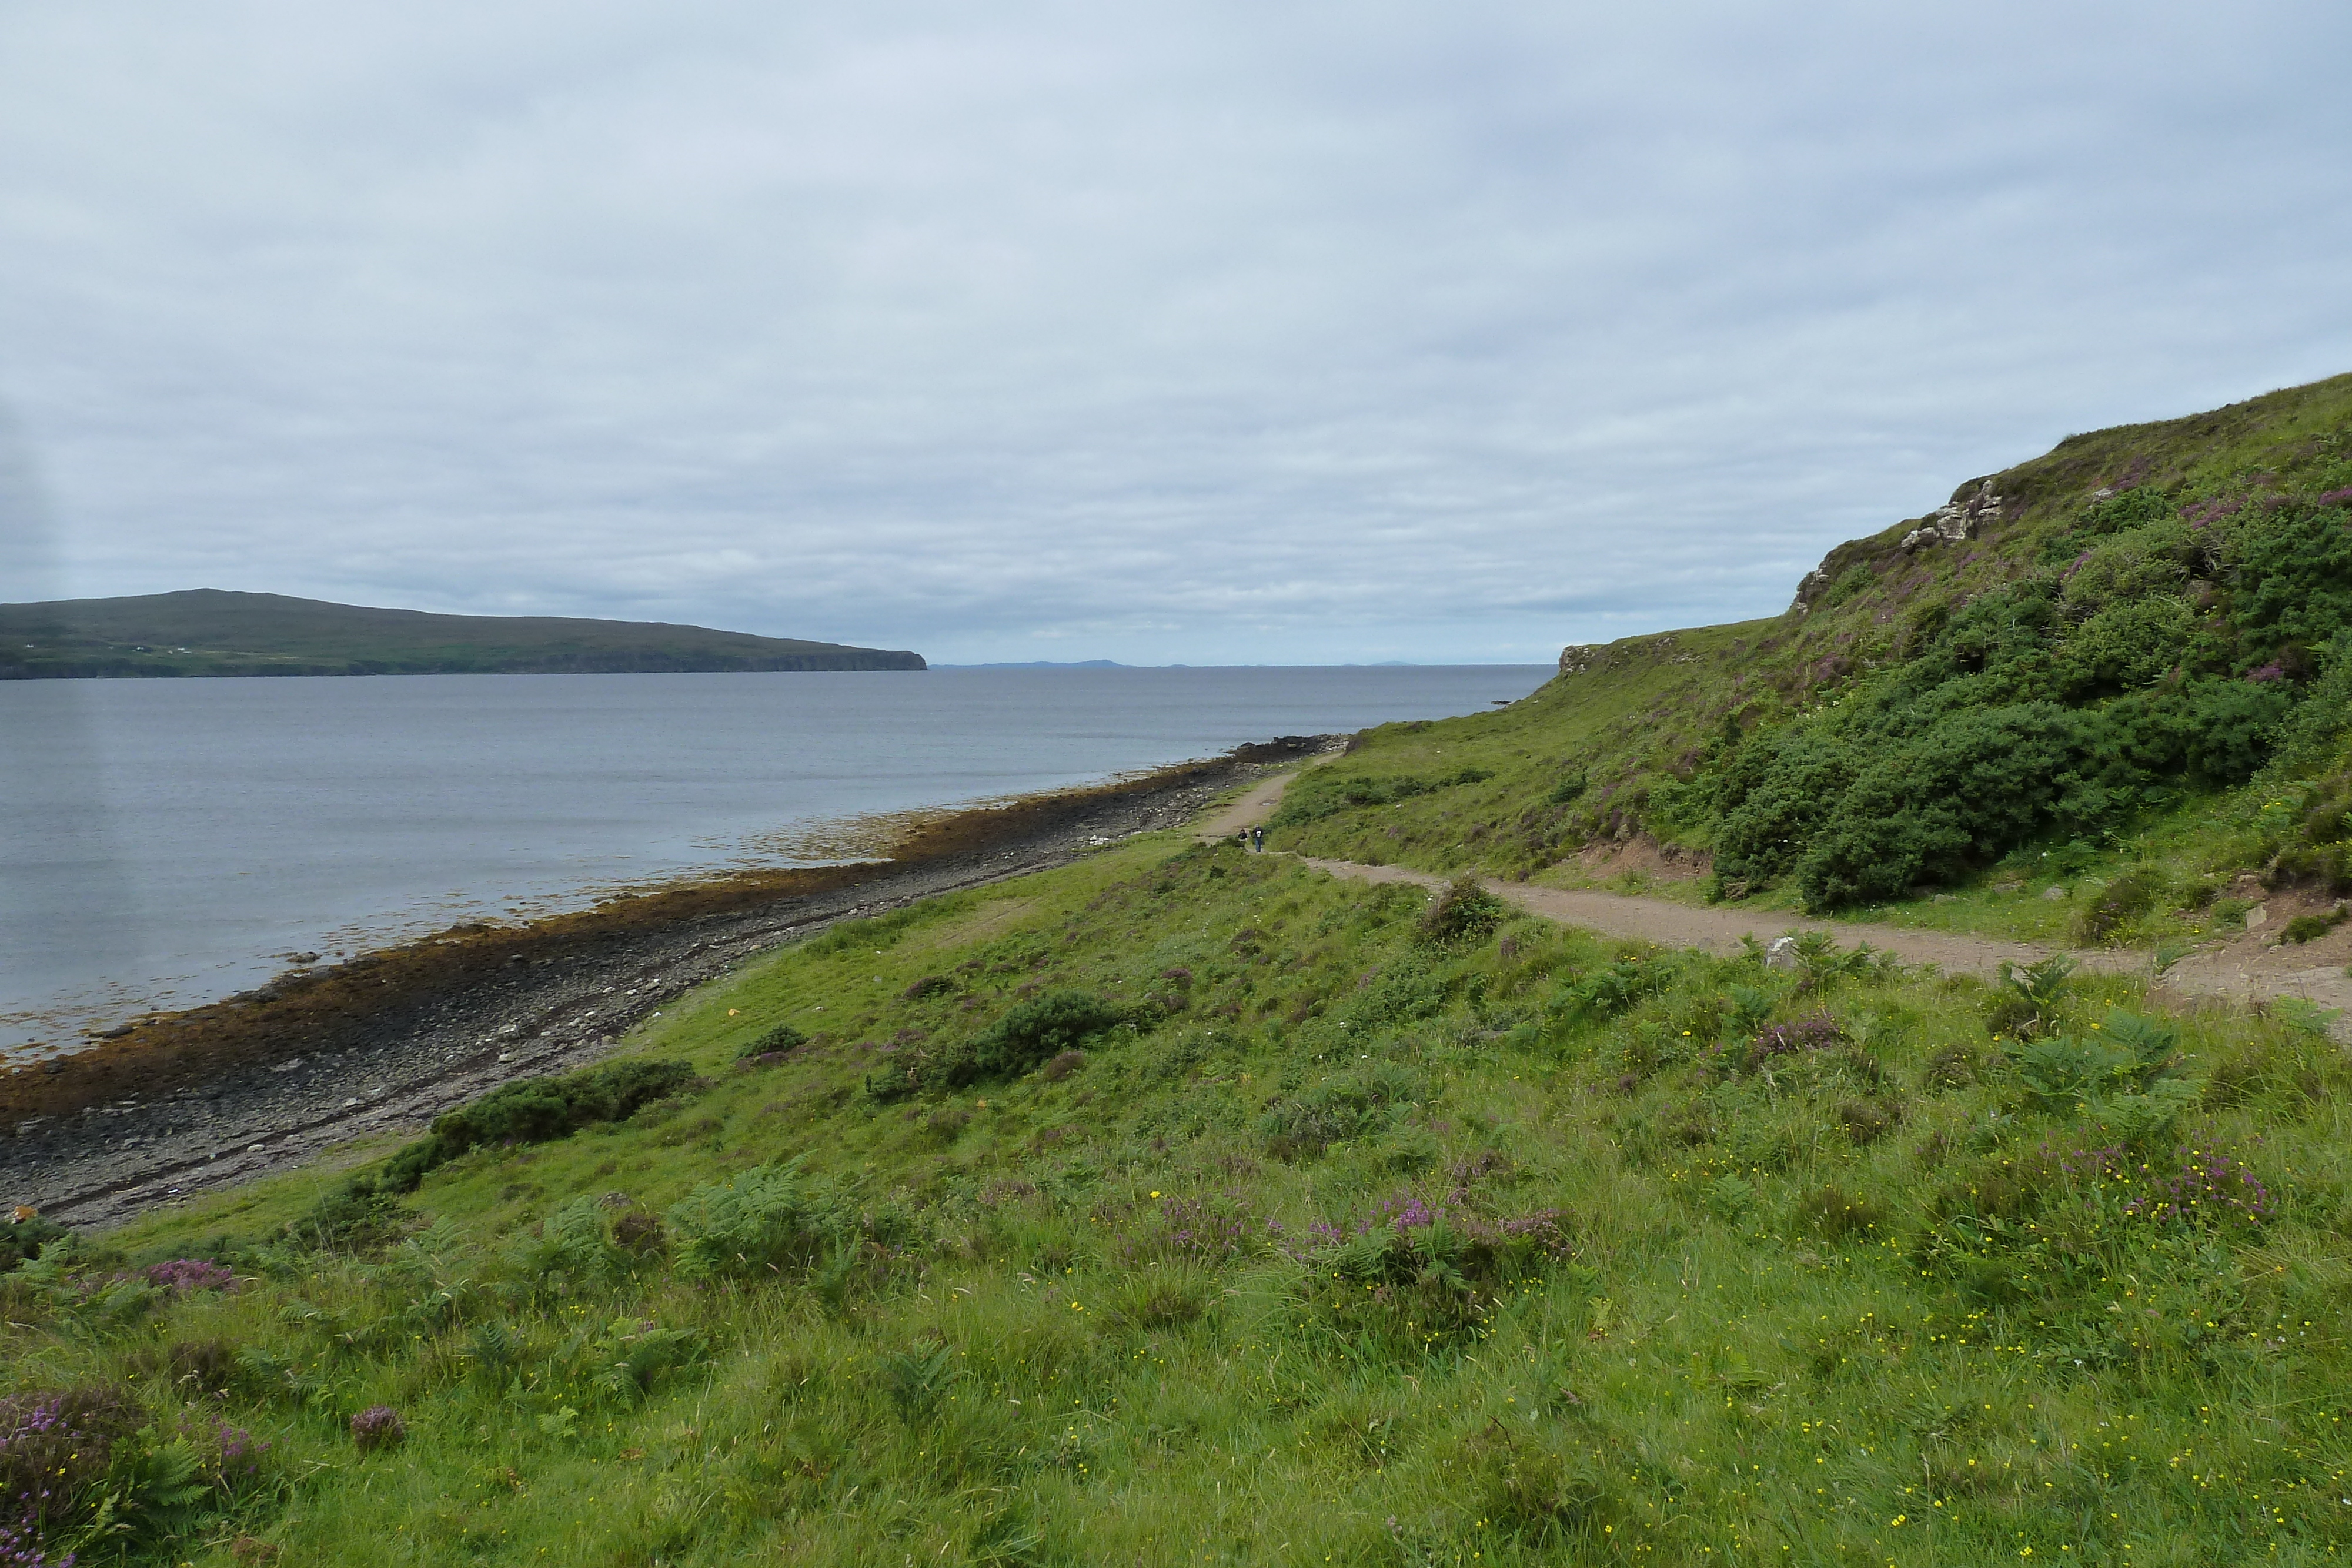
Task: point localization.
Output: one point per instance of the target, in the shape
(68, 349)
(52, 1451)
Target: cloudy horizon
(1199, 335)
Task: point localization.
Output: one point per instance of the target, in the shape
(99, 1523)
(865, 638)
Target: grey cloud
(1193, 333)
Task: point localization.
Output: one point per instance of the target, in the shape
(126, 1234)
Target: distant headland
(210, 631)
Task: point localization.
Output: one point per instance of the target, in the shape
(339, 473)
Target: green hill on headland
(1186, 1206)
(2079, 659)
(208, 632)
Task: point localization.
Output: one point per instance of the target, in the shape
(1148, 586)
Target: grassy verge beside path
(1349, 1224)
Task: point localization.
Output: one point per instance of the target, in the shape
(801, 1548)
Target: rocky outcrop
(1955, 520)
(1578, 658)
(1973, 507)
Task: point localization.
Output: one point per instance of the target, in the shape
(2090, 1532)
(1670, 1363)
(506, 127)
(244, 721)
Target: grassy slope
(207, 632)
(1833, 1305)
(1734, 1265)
(1639, 714)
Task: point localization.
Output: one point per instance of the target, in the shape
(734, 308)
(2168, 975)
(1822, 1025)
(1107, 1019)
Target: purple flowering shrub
(54, 1446)
(1208, 1231)
(2206, 1186)
(378, 1426)
(236, 1461)
(185, 1276)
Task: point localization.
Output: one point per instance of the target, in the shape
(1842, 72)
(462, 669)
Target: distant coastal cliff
(209, 632)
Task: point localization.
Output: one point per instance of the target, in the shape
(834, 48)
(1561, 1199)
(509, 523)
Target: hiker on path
(1258, 840)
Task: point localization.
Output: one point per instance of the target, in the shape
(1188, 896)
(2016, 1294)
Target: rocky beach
(198, 1101)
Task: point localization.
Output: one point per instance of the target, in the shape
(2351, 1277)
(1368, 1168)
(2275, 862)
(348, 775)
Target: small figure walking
(1257, 841)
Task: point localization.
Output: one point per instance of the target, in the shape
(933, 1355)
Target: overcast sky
(1211, 334)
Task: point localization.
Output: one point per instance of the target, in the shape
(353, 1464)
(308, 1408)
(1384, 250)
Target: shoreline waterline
(176, 842)
(304, 1012)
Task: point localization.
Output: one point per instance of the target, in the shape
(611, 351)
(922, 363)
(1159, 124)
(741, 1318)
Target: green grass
(1183, 1206)
(1693, 1297)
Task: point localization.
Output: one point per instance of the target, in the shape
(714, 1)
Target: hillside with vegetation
(1185, 1206)
(2125, 661)
(209, 632)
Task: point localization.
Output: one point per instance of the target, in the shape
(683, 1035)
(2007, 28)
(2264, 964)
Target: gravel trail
(2244, 970)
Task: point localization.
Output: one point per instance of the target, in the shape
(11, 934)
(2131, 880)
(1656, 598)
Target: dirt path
(1253, 807)
(2244, 971)
(1719, 930)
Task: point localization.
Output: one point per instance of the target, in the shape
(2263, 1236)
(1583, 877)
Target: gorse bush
(23, 1239)
(776, 1041)
(542, 1108)
(2055, 704)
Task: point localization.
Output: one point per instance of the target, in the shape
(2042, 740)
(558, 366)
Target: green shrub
(773, 1043)
(762, 1224)
(2293, 581)
(1040, 1028)
(2129, 895)
(362, 1210)
(21, 1239)
(2067, 701)
(1349, 1106)
(1463, 911)
(2310, 927)
(539, 1109)
(1028, 1035)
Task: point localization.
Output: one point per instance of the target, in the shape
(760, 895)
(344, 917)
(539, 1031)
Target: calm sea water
(170, 841)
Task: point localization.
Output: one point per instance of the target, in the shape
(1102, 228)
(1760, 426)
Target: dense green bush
(1040, 1028)
(775, 1042)
(1464, 910)
(2060, 704)
(530, 1111)
(24, 1238)
(537, 1109)
(1028, 1035)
